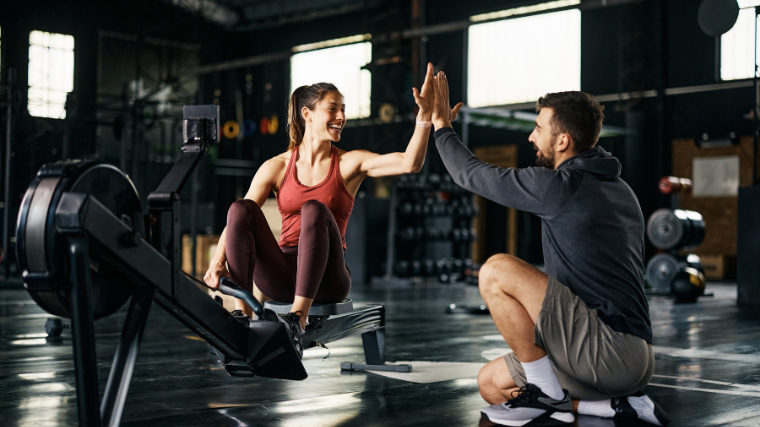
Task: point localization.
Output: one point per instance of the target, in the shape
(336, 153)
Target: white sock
(597, 408)
(644, 408)
(541, 374)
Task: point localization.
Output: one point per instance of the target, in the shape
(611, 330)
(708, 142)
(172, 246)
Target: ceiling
(249, 15)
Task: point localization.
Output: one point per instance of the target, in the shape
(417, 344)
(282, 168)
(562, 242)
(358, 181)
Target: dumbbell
(446, 183)
(407, 233)
(433, 233)
(458, 266)
(456, 234)
(427, 207)
(416, 268)
(439, 208)
(429, 267)
(406, 208)
(419, 233)
(54, 326)
(434, 179)
(402, 268)
(418, 208)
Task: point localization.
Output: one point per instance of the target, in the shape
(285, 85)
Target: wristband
(424, 124)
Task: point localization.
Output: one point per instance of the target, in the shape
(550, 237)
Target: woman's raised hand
(426, 97)
(443, 114)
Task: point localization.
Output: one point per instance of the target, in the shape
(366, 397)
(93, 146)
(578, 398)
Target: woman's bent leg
(322, 275)
(253, 253)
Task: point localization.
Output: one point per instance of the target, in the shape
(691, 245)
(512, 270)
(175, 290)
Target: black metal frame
(153, 270)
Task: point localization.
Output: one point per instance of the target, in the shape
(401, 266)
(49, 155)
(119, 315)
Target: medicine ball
(688, 285)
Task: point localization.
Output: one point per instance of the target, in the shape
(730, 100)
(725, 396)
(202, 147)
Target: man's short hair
(577, 114)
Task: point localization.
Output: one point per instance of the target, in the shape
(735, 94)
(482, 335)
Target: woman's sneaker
(292, 322)
(639, 407)
(532, 407)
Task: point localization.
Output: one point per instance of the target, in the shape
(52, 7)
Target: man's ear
(306, 114)
(564, 142)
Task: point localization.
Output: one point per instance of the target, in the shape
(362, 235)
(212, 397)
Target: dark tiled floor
(708, 369)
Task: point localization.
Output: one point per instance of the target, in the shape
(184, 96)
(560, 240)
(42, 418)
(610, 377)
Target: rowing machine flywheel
(40, 246)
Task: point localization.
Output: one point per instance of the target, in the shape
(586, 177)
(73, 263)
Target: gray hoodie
(592, 225)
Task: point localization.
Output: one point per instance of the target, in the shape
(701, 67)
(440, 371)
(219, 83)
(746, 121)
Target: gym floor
(707, 374)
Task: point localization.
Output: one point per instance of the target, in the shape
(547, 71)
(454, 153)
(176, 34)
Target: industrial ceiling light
(332, 43)
(524, 10)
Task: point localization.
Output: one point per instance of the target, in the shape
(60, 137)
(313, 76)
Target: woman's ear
(306, 114)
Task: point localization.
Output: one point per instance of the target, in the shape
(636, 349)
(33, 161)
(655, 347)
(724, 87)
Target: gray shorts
(591, 360)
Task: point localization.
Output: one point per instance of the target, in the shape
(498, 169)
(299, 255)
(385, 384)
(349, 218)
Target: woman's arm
(411, 160)
(263, 183)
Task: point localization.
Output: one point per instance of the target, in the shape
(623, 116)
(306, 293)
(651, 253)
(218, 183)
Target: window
(736, 46)
(518, 60)
(51, 73)
(341, 66)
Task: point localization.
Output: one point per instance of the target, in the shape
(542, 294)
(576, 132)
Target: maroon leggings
(315, 269)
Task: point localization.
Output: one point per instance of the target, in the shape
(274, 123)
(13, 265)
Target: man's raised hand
(443, 114)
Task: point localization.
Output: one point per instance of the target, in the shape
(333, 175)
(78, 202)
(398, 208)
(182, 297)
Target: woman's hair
(304, 96)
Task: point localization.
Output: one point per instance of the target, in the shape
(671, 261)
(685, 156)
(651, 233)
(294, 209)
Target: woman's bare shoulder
(280, 160)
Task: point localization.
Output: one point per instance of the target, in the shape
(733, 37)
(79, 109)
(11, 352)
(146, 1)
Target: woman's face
(328, 118)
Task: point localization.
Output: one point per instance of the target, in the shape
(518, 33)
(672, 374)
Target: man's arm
(524, 189)
(530, 190)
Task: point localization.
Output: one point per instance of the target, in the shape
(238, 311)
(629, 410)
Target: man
(580, 333)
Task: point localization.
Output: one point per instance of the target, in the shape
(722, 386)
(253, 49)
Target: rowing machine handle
(227, 287)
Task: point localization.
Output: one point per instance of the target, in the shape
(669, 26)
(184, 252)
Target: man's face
(543, 139)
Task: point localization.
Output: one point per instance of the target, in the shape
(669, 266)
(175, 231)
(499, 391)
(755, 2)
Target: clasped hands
(433, 100)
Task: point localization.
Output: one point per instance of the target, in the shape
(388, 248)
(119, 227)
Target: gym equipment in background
(675, 230)
(85, 248)
(430, 229)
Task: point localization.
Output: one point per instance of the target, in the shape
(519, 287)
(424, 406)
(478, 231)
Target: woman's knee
(313, 212)
(242, 210)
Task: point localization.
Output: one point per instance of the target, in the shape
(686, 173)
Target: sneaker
(639, 407)
(532, 407)
(292, 322)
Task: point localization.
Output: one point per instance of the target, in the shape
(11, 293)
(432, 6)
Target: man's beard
(545, 161)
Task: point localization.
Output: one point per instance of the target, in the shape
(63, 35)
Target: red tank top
(292, 195)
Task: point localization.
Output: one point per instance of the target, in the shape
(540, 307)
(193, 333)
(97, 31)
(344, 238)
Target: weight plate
(664, 229)
(660, 272)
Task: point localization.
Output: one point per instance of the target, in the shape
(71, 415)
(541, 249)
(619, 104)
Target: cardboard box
(714, 266)
(205, 248)
(719, 267)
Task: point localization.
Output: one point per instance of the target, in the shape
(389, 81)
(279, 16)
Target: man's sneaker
(532, 407)
(639, 407)
(292, 322)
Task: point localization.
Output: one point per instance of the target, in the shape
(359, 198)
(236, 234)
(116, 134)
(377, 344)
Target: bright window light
(736, 56)
(520, 59)
(51, 73)
(340, 66)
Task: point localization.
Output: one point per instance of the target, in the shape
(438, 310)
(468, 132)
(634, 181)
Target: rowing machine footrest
(333, 309)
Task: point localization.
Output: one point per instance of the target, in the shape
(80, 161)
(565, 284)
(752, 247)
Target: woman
(315, 184)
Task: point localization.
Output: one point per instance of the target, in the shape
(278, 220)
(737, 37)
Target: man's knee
(486, 385)
(496, 272)
(242, 210)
